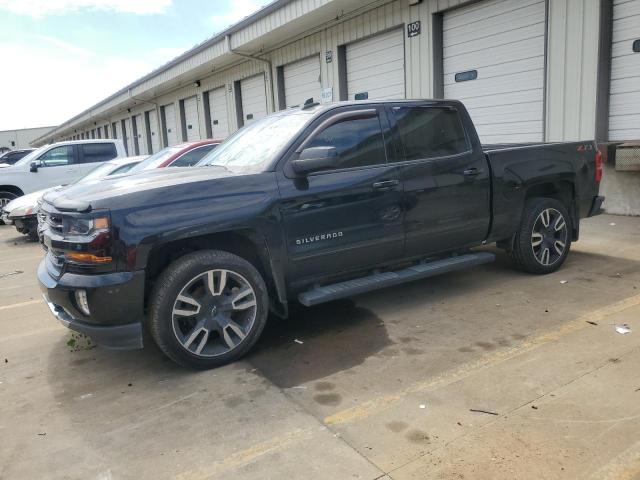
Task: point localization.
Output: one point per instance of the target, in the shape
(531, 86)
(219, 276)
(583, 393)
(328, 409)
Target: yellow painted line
(246, 456)
(371, 407)
(21, 304)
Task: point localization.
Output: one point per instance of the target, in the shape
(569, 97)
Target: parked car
(22, 211)
(56, 164)
(12, 156)
(309, 204)
(181, 155)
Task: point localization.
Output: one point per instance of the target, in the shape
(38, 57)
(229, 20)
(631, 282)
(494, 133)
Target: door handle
(472, 172)
(385, 184)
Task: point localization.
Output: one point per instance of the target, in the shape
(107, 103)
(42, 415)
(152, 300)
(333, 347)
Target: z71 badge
(318, 238)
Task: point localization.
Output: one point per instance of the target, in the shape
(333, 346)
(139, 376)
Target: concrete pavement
(382, 385)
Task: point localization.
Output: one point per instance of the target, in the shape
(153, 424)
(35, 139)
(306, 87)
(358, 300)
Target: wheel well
(12, 189)
(245, 244)
(562, 191)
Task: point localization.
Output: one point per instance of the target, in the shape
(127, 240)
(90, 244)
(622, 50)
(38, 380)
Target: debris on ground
(619, 275)
(592, 323)
(6, 360)
(612, 224)
(563, 281)
(42, 434)
(623, 329)
(483, 411)
(459, 424)
(86, 395)
(8, 274)
(299, 342)
(534, 407)
(422, 405)
(79, 341)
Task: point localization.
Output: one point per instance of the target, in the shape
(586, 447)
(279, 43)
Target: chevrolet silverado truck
(310, 205)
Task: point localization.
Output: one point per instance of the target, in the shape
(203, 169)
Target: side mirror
(315, 158)
(34, 167)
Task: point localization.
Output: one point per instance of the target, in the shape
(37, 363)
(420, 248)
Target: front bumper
(115, 301)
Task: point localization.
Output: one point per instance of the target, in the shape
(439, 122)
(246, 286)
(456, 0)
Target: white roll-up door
(129, 136)
(624, 90)
(302, 81)
(192, 121)
(254, 98)
(171, 132)
(141, 131)
(219, 113)
(375, 67)
(154, 131)
(493, 61)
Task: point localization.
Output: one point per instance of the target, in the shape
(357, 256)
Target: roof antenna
(309, 103)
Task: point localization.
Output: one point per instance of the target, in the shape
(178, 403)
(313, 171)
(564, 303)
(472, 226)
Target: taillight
(598, 165)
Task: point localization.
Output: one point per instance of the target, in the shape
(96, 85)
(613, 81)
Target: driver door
(57, 166)
(349, 217)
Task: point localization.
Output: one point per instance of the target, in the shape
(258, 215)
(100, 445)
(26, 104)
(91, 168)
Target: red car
(180, 155)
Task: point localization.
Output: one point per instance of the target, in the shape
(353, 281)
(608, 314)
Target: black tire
(527, 253)
(190, 271)
(6, 197)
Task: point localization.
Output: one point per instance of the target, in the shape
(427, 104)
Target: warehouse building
(527, 70)
(21, 138)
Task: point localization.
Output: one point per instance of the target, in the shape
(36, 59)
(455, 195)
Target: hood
(28, 200)
(79, 197)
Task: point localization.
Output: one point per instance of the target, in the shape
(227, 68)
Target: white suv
(56, 164)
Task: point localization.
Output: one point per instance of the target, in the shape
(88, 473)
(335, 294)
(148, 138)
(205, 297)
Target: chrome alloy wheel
(214, 312)
(549, 236)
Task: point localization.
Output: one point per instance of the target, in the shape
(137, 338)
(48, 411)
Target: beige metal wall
(572, 60)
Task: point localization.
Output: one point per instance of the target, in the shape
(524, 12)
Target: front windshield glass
(98, 172)
(32, 156)
(254, 146)
(156, 159)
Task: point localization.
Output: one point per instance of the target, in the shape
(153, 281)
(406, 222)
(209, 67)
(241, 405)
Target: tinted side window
(358, 141)
(98, 152)
(192, 156)
(57, 156)
(429, 132)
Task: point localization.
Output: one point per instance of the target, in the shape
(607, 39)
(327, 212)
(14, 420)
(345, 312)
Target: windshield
(32, 156)
(156, 159)
(254, 146)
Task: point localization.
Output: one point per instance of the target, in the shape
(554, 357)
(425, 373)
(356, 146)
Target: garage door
(128, 136)
(624, 99)
(191, 119)
(493, 60)
(154, 131)
(219, 113)
(170, 133)
(116, 130)
(302, 81)
(254, 98)
(375, 67)
(141, 134)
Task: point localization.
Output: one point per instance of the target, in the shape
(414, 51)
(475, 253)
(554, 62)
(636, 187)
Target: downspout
(227, 40)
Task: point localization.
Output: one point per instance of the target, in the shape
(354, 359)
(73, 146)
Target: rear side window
(192, 156)
(429, 132)
(358, 141)
(98, 152)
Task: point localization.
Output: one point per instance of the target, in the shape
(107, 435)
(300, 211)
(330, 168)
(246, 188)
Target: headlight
(84, 226)
(21, 212)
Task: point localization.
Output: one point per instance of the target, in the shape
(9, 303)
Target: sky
(60, 57)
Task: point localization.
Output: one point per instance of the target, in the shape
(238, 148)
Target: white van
(56, 164)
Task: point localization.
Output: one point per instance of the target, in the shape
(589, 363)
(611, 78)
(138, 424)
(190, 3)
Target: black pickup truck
(308, 204)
